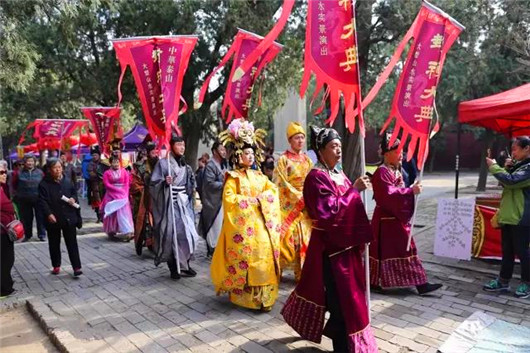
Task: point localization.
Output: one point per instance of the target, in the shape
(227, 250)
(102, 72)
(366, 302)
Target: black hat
(95, 149)
(149, 146)
(384, 143)
(321, 136)
(175, 138)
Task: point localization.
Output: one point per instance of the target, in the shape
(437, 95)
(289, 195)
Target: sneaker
(496, 286)
(56, 270)
(523, 291)
(428, 288)
(77, 272)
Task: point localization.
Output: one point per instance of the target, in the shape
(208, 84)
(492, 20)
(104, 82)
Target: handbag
(15, 230)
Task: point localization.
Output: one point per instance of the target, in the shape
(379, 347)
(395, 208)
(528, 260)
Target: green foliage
(56, 55)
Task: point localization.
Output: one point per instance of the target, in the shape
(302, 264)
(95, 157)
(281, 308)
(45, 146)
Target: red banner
(486, 239)
(434, 33)
(158, 65)
(331, 55)
(267, 42)
(52, 129)
(106, 123)
(239, 93)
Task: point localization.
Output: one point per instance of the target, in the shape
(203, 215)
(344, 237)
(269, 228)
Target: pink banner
(105, 122)
(434, 33)
(238, 94)
(331, 55)
(158, 65)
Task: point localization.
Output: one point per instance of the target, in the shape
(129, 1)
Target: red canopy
(507, 112)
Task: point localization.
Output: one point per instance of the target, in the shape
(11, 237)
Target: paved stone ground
(123, 303)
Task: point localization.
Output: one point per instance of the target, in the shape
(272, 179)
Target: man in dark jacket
(26, 188)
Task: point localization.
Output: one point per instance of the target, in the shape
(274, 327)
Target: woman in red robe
(333, 273)
(391, 265)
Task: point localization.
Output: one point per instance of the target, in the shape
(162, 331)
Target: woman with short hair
(60, 206)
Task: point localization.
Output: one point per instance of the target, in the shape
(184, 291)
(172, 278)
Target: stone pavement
(123, 303)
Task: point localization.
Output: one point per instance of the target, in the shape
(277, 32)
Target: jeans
(515, 241)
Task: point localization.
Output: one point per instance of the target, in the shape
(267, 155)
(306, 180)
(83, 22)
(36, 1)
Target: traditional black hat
(384, 143)
(321, 136)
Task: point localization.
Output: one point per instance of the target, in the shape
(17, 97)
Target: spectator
(61, 215)
(27, 195)
(199, 175)
(514, 217)
(7, 215)
(68, 169)
(268, 166)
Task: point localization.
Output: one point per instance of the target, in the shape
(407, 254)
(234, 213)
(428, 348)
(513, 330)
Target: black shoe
(138, 246)
(377, 289)
(188, 273)
(42, 238)
(8, 292)
(175, 275)
(25, 240)
(428, 288)
(77, 272)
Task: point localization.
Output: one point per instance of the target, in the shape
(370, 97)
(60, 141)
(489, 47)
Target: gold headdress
(240, 135)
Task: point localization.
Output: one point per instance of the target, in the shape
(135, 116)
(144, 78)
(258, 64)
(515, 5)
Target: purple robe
(333, 265)
(391, 265)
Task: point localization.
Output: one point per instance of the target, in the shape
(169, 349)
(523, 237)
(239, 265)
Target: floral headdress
(240, 135)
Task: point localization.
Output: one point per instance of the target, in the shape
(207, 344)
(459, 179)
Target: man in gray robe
(174, 226)
(212, 196)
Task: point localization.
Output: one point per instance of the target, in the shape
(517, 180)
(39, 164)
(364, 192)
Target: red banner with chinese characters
(158, 65)
(51, 133)
(267, 42)
(331, 55)
(239, 93)
(434, 33)
(105, 122)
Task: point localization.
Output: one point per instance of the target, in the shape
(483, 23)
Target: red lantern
(89, 139)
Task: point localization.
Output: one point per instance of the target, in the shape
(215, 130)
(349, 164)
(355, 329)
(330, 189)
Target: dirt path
(20, 333)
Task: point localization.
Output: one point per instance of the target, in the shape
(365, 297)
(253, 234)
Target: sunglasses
(3, 172)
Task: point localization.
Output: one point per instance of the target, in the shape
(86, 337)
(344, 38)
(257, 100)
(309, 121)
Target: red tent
(506, 112)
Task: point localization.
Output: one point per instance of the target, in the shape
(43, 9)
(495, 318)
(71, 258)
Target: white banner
(454, 228)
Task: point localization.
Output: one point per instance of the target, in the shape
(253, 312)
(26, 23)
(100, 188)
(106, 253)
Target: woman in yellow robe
(290, 173)
(245, 263)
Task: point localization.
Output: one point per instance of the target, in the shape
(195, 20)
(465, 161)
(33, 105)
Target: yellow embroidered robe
(246, 260)
(295, 232)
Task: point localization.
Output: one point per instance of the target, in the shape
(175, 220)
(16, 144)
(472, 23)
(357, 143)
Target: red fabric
(105, 121)
(507, 112)
(331, 55)
(7, 212)
(488, 240)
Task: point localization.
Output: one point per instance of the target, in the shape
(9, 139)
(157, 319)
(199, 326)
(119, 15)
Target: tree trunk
(483, 174)
(192, 135)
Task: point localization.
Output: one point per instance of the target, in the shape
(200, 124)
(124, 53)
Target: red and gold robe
(289, 176)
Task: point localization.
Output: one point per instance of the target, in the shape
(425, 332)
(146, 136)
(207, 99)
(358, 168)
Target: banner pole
(363, 171)
(175, 248)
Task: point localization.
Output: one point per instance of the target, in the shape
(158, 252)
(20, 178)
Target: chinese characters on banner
(105, 121)
(331, 55)
(434, 33)
(158, 65)
(238, 94)
(454, 228)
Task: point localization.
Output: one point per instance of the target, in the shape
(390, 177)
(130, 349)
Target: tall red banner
(331, 55)
(158, 65)
(267, 42)
(434, 33)
(239, 93)
(105, 121)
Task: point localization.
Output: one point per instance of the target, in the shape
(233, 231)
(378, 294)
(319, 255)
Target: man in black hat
(142, 208)
(95, 170)
(172, 186)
